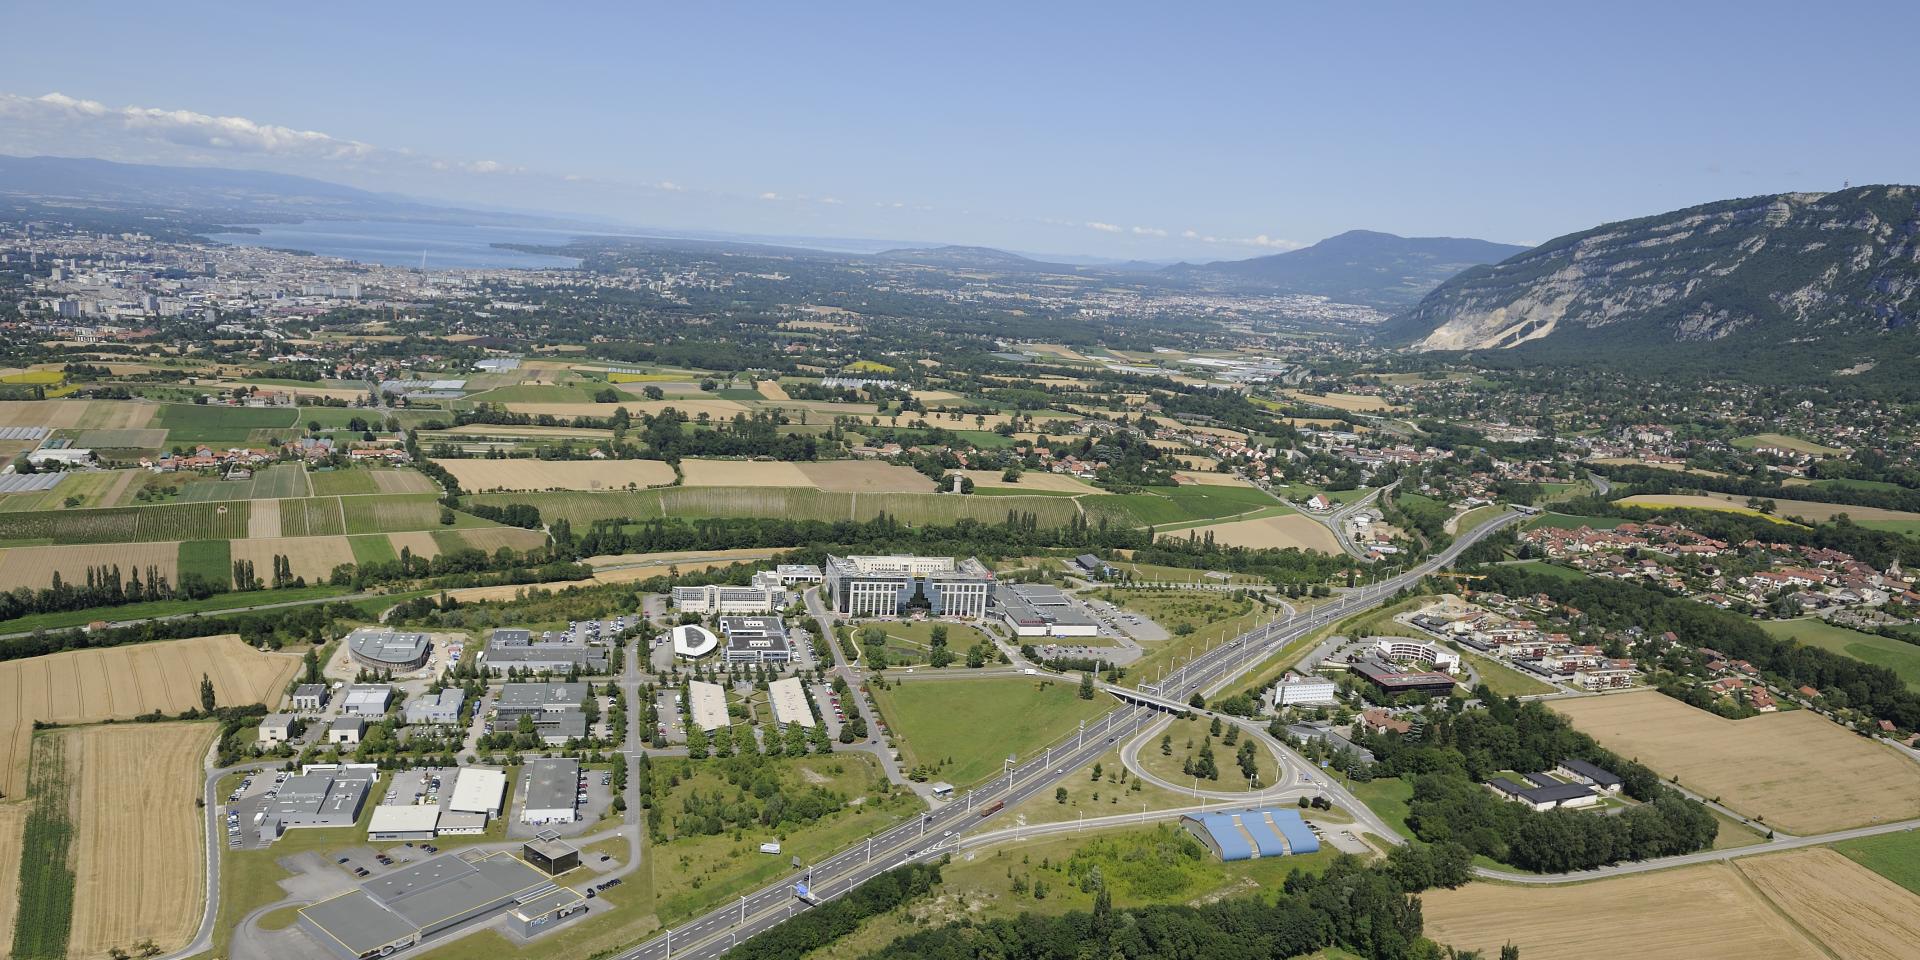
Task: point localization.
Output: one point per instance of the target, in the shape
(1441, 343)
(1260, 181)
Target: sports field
(34, 567)
(1294, 531)
(138, 863)
(1705, 912)
(1796, 771)
(83, 686)
(479, 475)
(969, 726)
(1897, 655)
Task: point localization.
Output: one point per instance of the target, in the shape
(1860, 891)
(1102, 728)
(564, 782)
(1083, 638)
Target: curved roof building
(693, 640)
(387, 650)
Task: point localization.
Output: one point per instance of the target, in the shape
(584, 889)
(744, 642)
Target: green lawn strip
(1477, 516)
(1895, 856)
(44, 920)
(1554, 570)
(1389, 798)
(165, 608)
(372, 548)
(1565, 521)
(966, 728)
(1503, 680)
(211, 559)
(1733, 834)
(1897, 655)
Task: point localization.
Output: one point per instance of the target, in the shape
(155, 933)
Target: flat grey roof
(540, 694)
(554, 784)
(358, 922)
(547, 902)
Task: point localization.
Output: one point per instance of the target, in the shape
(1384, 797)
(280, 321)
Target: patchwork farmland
(84, 686)
(478, 475)
(34, 567)
(1694, 913)
(1829, 780)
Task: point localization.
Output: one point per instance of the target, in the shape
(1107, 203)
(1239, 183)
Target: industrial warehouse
(400, 909)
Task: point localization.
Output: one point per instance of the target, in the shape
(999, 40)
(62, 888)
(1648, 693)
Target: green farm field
(268, 483)
(190, 423)
(175, 521)
(1895, 856)
(1897, 655)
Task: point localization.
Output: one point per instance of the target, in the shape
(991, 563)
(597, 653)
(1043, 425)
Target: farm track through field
(126, 681)
(138, 864)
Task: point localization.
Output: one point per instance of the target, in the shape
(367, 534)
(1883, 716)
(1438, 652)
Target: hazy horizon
(1104, 132)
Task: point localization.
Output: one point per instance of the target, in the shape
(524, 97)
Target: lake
(399, 243)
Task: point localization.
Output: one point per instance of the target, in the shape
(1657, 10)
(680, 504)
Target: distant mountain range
(1364, 267)
(237, 195)
(1360, 266)
(1795, 277)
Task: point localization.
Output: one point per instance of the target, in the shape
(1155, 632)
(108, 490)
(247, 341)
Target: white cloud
(1149, 232)
(1258, 240)
(1262, 240)
(1103, 227)
(769, 195)
(490, 166)
(186, 127)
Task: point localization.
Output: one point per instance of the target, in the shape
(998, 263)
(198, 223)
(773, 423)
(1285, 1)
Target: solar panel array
(22, 433)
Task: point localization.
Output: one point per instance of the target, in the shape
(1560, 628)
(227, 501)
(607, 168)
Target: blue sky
(1114, 129)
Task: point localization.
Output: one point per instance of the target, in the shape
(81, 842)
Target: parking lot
(831, 710)
(247, 804)
(671, 722)
(596, 789)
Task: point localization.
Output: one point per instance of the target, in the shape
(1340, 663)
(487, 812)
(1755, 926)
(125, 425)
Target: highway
(938, 831)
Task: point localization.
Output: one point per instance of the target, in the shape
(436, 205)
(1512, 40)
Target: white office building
(892, 586)
(1295, 690)
(718, 598)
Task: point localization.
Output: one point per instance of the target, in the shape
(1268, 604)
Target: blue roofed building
(1252, 834)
